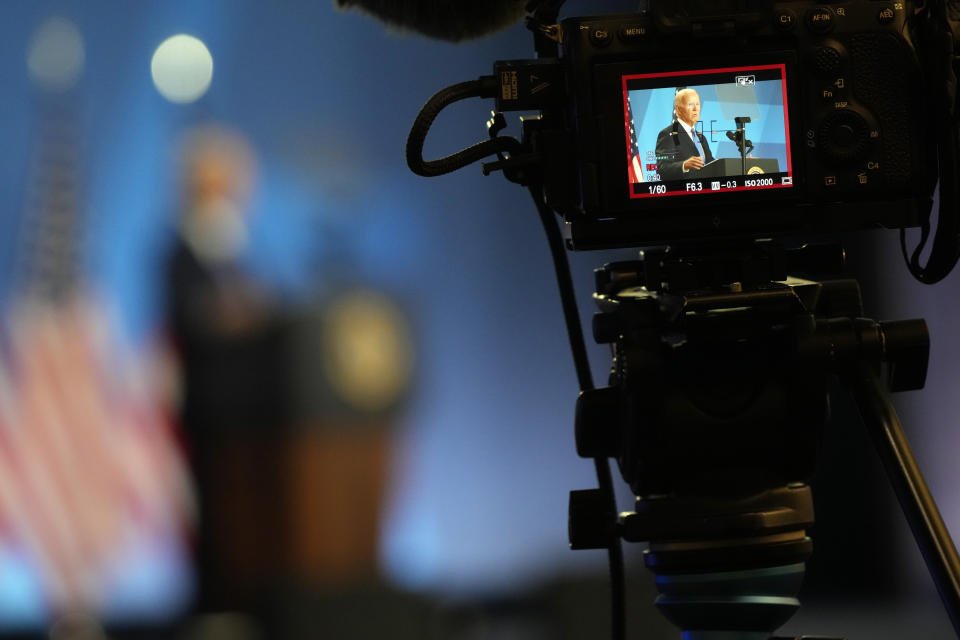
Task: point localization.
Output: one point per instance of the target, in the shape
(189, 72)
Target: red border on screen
(672, 74)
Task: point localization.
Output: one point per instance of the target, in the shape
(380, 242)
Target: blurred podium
(735, 167)
(291, 427)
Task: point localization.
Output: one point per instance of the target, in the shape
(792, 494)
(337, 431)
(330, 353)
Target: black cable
(618, 590)
(582, 365)
(486, 86)
(483, 87)
(567, 298)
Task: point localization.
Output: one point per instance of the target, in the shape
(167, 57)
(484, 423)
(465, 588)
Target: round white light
(182, 68)
(55, 57)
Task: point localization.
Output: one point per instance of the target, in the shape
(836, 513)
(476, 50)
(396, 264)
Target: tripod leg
(918, 505)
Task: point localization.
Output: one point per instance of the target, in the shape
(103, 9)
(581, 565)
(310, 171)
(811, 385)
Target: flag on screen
(634, 168)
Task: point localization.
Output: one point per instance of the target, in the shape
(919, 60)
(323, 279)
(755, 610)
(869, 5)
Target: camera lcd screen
(707, 131)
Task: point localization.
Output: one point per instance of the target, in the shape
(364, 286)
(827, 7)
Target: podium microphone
(738, 138)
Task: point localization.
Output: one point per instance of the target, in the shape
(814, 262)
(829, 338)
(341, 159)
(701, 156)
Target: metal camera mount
(714, 411)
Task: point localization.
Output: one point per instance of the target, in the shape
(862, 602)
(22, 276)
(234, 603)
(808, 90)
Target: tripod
(714, 412)
(717, 395)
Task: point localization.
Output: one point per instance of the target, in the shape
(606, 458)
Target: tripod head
(714, 412)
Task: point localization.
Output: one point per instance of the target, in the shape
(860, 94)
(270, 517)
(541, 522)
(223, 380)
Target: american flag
(90, 467)
(88, 461)
(634, 168)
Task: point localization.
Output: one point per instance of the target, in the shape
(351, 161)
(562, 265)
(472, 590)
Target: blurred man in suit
(680, 149)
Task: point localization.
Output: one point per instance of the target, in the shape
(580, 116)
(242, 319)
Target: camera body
(832, 96)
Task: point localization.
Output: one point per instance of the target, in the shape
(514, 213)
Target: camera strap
(937, 30)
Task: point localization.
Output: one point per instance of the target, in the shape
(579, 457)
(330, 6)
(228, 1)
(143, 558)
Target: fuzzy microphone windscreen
(452, 20)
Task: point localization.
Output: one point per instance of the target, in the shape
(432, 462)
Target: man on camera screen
(680, 149)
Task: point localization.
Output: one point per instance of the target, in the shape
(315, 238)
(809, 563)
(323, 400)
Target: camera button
(844, 136)
(820, 19)
(632, 33)
(886, 15)
(832, 96)
(785, 20)
(835, 93)
(600, 36)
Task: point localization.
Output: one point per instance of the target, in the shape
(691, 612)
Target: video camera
(716, 396)
(836, 95)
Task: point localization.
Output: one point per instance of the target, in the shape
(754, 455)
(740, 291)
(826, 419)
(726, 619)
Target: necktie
(696, 141)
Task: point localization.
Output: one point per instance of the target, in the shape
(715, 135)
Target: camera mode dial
(844, 135)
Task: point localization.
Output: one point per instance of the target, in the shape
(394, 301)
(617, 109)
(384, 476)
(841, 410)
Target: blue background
(485, 457)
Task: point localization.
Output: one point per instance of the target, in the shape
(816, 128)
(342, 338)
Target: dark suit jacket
(673, 149)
